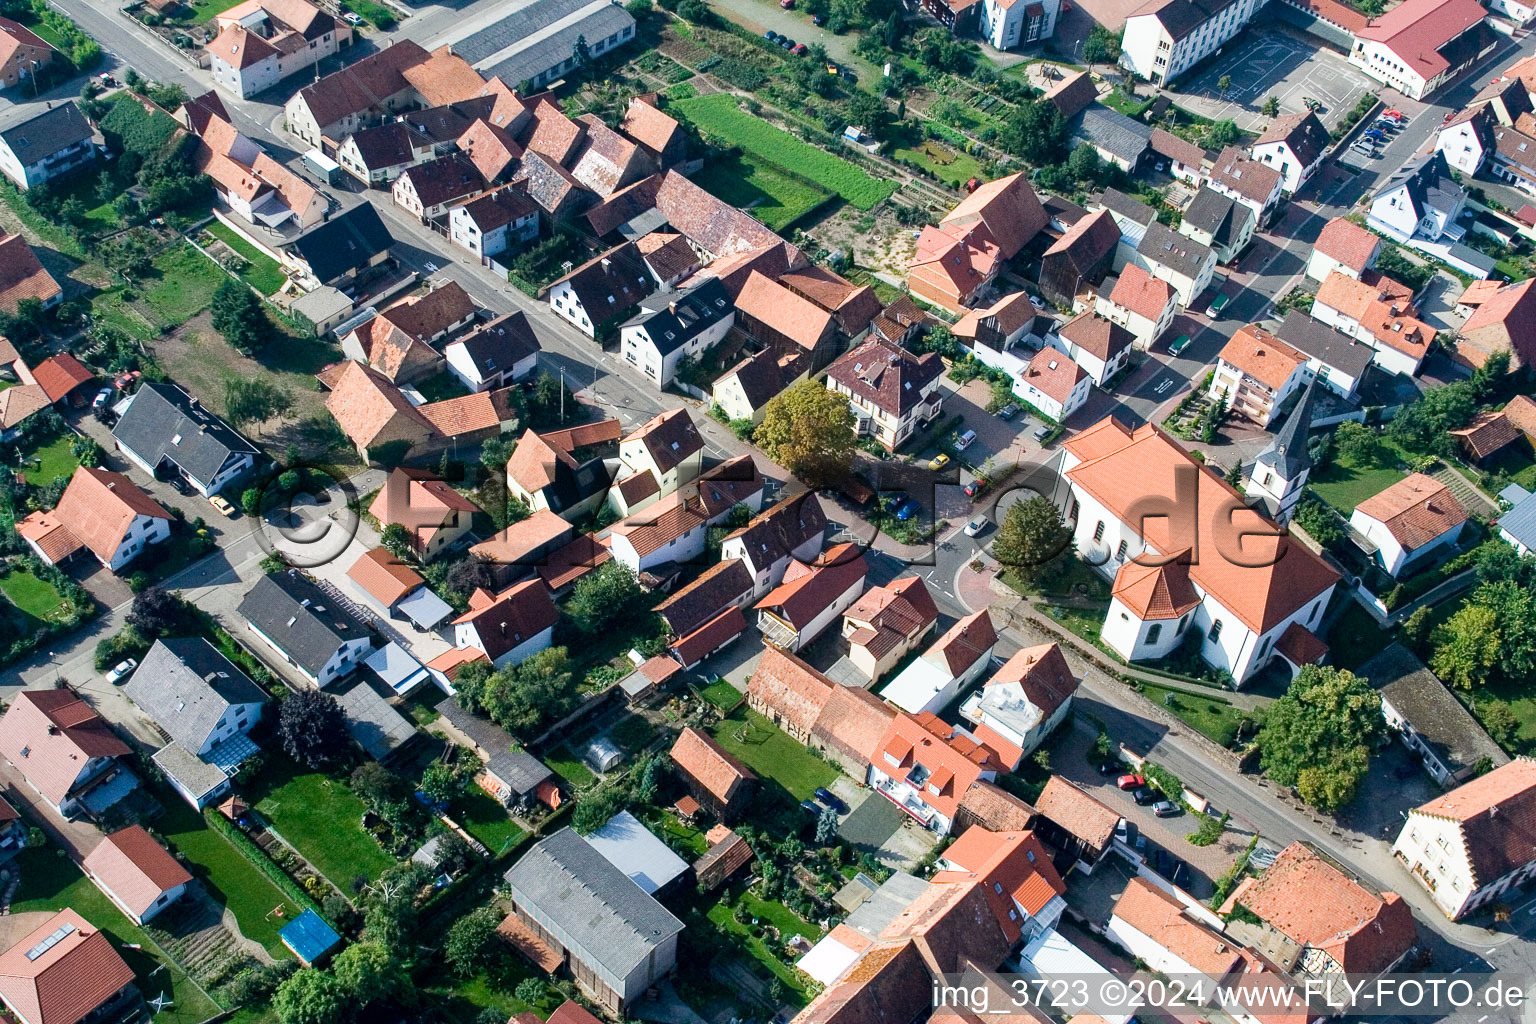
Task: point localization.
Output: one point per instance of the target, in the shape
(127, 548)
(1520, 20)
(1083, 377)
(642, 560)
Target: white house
(1520, 13)
(1256, 184)
(959, 658)
(1022, 702)
(1336, 360)
(1409, 522)
(195, 694)
(308, 628)
(656, 458)
(1098, 345)
(262, 42)
(136, 873)
(1420, 45)
(681, 325)
(791, 530)
(1421, 201)
(1468, 847)
(812, 597)
(428, 190)
(1256, 372)
(1007, 24)
(1217, 220)
(1136, 500)
(1466, 141)
(508, 627)
(891, 391)
(1173, 937)
(1053, 383)
(886, 622)
(744, 390)
(1343, 246)
(1379, 312)
(47, 146)
(1294, 145)
(676, 527)
(601, 289)
(101, 512)
(1184, 263)
(494, 354)
(491, 224)
(165, 431)
(1142, 304)
(1165, 38)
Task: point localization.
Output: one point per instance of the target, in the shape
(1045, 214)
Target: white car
(352, 19)
(121, 671)
(1037, 302)
(975, 526)
(102, 398)
(431, 267)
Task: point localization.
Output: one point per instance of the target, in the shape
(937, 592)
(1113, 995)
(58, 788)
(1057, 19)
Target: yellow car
(938, 461)
(222, 506)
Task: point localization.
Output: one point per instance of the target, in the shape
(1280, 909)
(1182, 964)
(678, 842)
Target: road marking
(1457, 971)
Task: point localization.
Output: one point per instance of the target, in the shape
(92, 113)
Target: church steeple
(1283, 466)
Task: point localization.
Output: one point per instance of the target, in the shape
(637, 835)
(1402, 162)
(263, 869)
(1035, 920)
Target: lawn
(1355, 636)
(321, 818)
(569, 767)
(722, 694)
(186, 282)
(229, 878)
(773, 754)
(1343, 485)
(1214, 719)
(264, 273)
(759, 187)
(721, 116)
(37, 597)
(50, 882)
(55, 457)
(959, 169)
(486, 820)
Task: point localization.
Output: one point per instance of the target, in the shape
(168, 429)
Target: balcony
(902, 796)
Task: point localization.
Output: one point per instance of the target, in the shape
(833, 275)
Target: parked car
(102, 398)
(1009, 411)
(1179, 345)
(975, 487)
(965, 440)
(1131, 781)
(1218, 304)
(1144, 797)
(1041, 431)
(907, 510)
(1396, 115)
(939, 461)
(831, 799)
(121, 670)
(127, 380)
(179, 485)
(1037, 302)
(788, 5)
(797, 49)
(1108, 767)
(812, 806)
(786, 42)
(848, 76)
(832, 68)
(1165, 808)
(771, 36)
(222, 506)
(352, 19)
(1126, 831)
(976, 526)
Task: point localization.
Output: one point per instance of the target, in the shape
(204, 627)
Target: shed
(397, 669)
(309, 937)
(378, 728)
(602, 754)
(425, 608)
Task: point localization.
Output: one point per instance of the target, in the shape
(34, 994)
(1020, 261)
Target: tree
(253, 400)
(1422, 426)
(157, 612)
(1222, 134)
(610, 594)
(1085, 164)
(1224, 84)
(239, 316)
(1031, 539)
(522, 698)
(1416, 627)
(826, 827)
(891, 33)
(581, 53)
(439, 783)
(396, 540)
(1318, 736)
(375, 784)
(471, 941)
(809, 430)
(312, 727)
(1271, 106)
(531, 991)
(1101, 47)
(939, 338)
(1358, 444)
(496, 452)
(391, 919)
(1499, 719)
(1035, 131)
(367, 972)
(310, 997)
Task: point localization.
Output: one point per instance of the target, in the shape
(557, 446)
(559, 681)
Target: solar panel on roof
(53, 939)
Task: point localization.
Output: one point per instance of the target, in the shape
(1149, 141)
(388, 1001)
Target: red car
(975, 487)
(797, 49)
(1396, 115)
(788, 5)
(125, 382)
(1130, 782)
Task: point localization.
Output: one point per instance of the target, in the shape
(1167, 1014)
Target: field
(1344, 485)
(321, 818)
(54, 460)
(773, 754)
(720, 115)
(760, 188)
(187, 281)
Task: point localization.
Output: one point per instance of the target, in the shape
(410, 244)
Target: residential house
(1099, 346)
(1001, 325)
(1165, 38)
(1256, 185)
(1022, 703)
(1075, 823)
(556, 191)
(23, 277)
(1217, 220)
(136, 873)
(1435, 726)
(1007, 24)
(602, 289)
(1343, 246)
(1330, 923)
(1420, 45)
(495, 354)
(525, 544)
(1016, 874)
(1184, 263)
(492, 145)
(1256, 372)
(792, 530)
(1053, 383)
(339, 251)
(668, 257)
(675, 326)
(306, 626)
(385, 427)
(491, 224)
(250, 184)
(540, 43)
(924, 766)
(206, 705)
(1144, 305)
(46, 146)
(65, 751)
(1505, 322)
(1466, 138)
(1335, 359)
(427, 190)
(572, 902)
(785, 322)
(262, 42)
(1412, 520)
(705, 615)
(846, 723)
(1514, 153)
(323, 114)
(13, 831)
(1419, 201)
(719, 782)
(1079, 259)
(887, 622)
(435, 516)
(1185, 160)
(892, 392)
(508, 627)
(1072, 92)
(852, 306)
(657, 458)
(958, 659)
(394, 589)
(963, 254)
(545, 472)
(608, 161)
(744, 390)
(1113, 472)
(1171, 937)
(66, 969)
(713, 227)
(901, 321)
(101, 512)
(1120, 140)
(376, 156)
(675, 529)
(511, 775)
(1380, 312)
(989, 806)
(1294, 145)
(658, 134)
(398, 342)
(1470, 848)
(23, 53)
(164, 431)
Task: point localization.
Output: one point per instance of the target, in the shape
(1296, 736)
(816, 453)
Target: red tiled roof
(522, 540)
(1346, 242)
(895, 611)
(852, 722)
(1015, 862)
(886, 375)
(709, 764)
(1160, 917)
(1416, 30)
(726, 626)
(1258, 354)
(1097, 335)
(135, 868)
(1488, 432)
(419, 502)
(566, 565)
(794, 692)
(994, 808)
(517, 615)
(21, 275)
(1141, 293)
(808, 589)
(1043, 674)
(770, 303)
(1415, 510)
(1300, 646)
(953, 760)
(99, 506)
(44, 529)
(59, 733)
(1497, 816)
(968, 639)
(68, 981)
(60, 374)
(1076, 812)
(1053, 373)
(384, 577)
(1156, 591)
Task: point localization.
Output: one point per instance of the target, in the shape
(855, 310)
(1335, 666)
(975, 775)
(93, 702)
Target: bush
(1163, 780)
(1210, 830)
(253, 853)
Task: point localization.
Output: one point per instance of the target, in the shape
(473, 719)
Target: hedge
(257, 856)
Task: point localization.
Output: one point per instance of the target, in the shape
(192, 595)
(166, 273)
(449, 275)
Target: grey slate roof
(1287, 452)
(1429, 184)
(309, 633)
(521, 771)
(1218, 215)
(185, 685)
(548, 52)
(609, 919)
(1322, 342)
(519, 24)
(374, 724)
(1124, 205)
(160, 414)
(47, 133)
(191, 772)
(885, 904)
(1162, 244)
(1113, 132)
(1520, 522)
(1439, 719)
(498, 345)
(344, 243)
(688, 315)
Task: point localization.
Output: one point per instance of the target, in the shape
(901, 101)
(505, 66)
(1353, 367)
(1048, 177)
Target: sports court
(1267, 63)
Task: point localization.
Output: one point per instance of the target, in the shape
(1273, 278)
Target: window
(1182, 623)
(1029, 855)
(1076, 505)
(1098, 531)
(1120, 552)
(1215, 633)
(1155, 632)
(997, 887)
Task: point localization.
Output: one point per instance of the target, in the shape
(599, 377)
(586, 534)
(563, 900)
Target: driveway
(78, 838)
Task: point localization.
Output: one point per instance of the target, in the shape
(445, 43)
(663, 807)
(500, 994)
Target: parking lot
(1264, 63)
